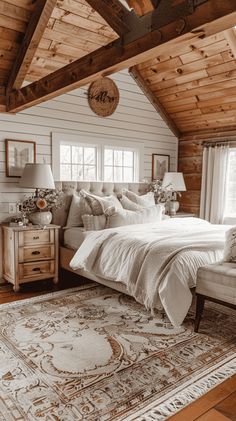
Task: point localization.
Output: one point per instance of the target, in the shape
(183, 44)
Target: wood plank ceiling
(197, 84)
(73, 30)
(193, 85)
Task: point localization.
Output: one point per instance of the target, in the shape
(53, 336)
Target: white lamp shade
(37, 176)
(174, 181)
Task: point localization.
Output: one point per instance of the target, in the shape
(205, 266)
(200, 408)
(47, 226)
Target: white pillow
(94, 222)
(120, 217)
(230, 245)
(146, 200)
(78, 207)
(129, 205)
(99, 204)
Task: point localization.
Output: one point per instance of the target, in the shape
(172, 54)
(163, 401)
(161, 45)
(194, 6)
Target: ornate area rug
(94, 354)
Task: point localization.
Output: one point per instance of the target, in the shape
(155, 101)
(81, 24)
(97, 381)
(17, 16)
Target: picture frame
(18, 154)
(160, 165)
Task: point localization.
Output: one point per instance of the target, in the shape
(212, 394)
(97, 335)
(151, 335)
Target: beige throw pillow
(120, 217)
(128, 204)
(78, 207)
(99, 204)
(230, 245)
(94, 222)
(145, 200)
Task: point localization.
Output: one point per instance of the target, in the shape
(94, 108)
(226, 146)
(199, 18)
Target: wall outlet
(12, 208)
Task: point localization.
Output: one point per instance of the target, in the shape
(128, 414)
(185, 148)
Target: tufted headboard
(99, 188)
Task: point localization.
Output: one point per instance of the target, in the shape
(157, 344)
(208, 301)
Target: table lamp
(37, 176)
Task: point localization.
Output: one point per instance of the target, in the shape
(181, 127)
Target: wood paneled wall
(135, 119)
(190, 163)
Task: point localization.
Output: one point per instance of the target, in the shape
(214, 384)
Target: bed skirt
(66, 255)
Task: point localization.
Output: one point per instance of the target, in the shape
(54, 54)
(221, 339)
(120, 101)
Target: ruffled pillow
(94, 222)
(99, 204)
(120, 217)
(230, 245)
(78, 207)
(145, 200)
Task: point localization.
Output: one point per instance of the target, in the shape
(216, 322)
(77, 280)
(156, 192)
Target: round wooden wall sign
(103, 96)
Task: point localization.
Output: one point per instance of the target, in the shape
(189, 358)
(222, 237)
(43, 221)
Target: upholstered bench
(217, 283)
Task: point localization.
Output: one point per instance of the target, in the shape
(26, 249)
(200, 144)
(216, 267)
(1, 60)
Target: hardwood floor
(28, 290)
(217, 405)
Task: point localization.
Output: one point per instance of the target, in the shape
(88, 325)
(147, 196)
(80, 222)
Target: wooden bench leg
(199, 311)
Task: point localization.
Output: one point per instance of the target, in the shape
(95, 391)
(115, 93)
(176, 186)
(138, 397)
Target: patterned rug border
(52, 294)
(188, 394)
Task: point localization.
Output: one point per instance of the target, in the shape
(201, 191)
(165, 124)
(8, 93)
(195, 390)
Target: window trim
(101, 142)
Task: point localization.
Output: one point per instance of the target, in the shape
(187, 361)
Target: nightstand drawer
(36, 237)
(36, 269)
(29, 254)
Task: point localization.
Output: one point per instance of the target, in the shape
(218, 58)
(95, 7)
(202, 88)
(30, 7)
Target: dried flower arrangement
(162, 194)
(46, 201)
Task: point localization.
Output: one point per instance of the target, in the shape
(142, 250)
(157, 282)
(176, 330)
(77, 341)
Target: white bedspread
(157, 262)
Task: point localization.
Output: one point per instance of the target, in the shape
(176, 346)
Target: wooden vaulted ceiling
(196, 84)
(181, 53)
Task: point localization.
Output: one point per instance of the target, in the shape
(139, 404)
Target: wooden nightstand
(183, 215)
(30, 254)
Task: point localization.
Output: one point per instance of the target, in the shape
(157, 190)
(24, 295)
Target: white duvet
(157, 262)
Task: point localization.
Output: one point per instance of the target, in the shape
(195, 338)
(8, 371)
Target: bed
(159, 274)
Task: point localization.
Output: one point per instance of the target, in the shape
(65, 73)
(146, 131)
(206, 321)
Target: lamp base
(173, 207)
(41, 218)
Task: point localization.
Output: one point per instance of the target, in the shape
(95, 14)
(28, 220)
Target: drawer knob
(36, 238)
(36, 270)
(35, 252)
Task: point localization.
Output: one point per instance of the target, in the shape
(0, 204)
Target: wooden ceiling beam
(154, 100)
(118, 17)
(208, 18)
(34, 32)
(230, 36)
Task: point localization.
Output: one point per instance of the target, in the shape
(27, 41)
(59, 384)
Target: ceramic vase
(41, 218)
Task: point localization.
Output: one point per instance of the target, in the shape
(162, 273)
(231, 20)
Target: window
(119, 165)
(78, 162)
(92, 158)
(230, 209)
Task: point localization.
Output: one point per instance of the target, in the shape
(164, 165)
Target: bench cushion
(218, 281)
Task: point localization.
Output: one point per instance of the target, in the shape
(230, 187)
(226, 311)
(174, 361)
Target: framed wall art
(160, 165)
(18, 154)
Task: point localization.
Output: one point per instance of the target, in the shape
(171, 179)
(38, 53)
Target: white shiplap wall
(135, 119)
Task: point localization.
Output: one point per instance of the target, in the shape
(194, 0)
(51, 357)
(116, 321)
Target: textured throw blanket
(157, 262)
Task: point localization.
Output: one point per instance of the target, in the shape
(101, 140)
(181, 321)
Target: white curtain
(214, 183)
